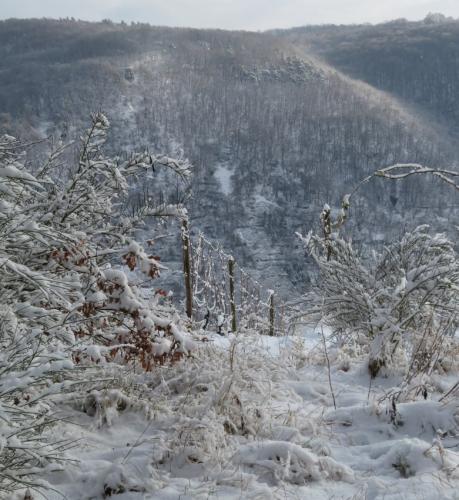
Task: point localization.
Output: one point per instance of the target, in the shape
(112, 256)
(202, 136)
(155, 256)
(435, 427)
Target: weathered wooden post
(271, 314)
(186, 248)
(231, 290)
(325, 218)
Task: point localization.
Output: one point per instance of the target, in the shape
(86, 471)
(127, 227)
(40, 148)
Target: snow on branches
(407, 297)
(65, 301)
(403, 300)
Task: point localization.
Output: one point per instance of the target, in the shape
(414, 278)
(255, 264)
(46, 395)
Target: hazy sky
(230, 14)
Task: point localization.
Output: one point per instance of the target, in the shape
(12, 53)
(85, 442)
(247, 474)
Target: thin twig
(328, 367)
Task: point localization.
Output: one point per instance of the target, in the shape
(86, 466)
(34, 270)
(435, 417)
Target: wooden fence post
(271, 314)
(231, 290)
(187, 267)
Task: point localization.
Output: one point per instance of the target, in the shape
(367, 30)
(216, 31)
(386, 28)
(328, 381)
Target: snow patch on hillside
(223, 174)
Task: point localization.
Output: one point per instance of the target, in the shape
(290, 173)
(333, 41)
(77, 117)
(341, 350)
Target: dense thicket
(66, 303)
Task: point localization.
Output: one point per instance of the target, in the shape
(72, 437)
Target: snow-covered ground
(252, 417)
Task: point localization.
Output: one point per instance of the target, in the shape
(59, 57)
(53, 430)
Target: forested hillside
(272, 131)
(415, 61)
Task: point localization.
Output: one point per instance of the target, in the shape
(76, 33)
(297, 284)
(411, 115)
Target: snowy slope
(253, 417)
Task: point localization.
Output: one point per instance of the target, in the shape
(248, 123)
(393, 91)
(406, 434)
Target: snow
(261, 200)
(223, 175)
(251, 416)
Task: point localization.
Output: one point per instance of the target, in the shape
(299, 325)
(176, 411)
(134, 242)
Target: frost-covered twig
(328, 367)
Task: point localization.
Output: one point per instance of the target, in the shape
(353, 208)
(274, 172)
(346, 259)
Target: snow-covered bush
(65, 302)
(403, 301)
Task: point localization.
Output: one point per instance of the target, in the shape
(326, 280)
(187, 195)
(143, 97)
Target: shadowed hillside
(416, 61)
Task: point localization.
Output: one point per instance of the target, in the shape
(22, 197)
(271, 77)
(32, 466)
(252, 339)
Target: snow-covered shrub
(210, 415)
(65, 302)
(405, 300)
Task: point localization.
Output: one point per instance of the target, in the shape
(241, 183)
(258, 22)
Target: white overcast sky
(230, 14)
